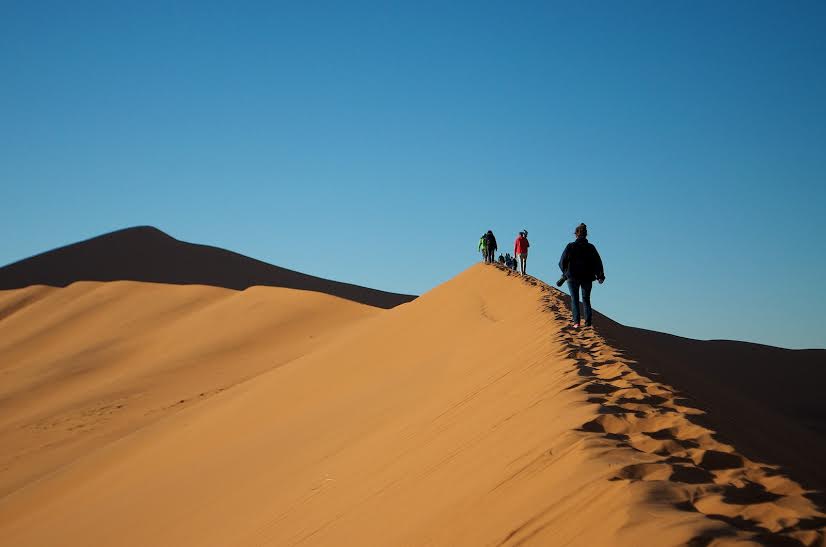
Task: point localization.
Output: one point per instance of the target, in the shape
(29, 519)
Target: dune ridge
(468, 416)
(689, 467)
(745, 390)
(144, 253)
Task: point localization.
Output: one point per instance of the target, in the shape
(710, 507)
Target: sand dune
(84, 365)
(145, 253)
(746, 391)
(470, 416)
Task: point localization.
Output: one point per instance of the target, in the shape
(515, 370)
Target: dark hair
(581, 230)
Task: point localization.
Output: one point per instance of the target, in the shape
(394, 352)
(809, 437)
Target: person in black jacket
(490, 247)
(580, 265)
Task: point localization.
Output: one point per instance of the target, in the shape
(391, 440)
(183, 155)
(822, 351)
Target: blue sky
(375, 142)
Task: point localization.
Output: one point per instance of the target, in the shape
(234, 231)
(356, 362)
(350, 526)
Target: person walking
(581, 264)
(483, 247)
(490, 247)
(520, 249)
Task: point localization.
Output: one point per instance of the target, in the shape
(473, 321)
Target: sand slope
(469, 416)
(84, 365)
(746, 390)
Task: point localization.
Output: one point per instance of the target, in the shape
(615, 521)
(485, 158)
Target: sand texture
(138, 413)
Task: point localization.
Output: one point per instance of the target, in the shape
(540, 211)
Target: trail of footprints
(700, 473)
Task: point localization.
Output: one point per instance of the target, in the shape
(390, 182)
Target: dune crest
(469, 416)
(683, 462)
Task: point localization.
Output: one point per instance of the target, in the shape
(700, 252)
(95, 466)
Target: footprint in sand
(757, 501)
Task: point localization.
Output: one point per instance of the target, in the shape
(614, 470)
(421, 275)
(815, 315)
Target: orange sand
(469, 416)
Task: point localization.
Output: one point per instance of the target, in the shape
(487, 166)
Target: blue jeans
(573, 288)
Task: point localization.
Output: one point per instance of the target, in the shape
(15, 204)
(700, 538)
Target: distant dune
(139, 413)
(146, 254)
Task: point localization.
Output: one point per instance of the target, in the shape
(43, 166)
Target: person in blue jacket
(580, 265)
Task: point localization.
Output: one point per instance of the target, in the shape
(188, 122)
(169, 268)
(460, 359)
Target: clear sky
(375, 142)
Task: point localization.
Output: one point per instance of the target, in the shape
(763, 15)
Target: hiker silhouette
(490, 247)
(581, 264)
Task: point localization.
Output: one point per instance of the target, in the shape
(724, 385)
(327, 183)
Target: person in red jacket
(520, 249)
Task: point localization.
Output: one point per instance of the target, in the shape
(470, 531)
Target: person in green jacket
(490, 247)
(483, 247)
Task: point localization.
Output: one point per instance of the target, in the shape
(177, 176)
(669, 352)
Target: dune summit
(469, 416)
(147, 254)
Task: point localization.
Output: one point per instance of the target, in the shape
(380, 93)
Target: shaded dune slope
(767, 400)
(147, 254)
(469, 416)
